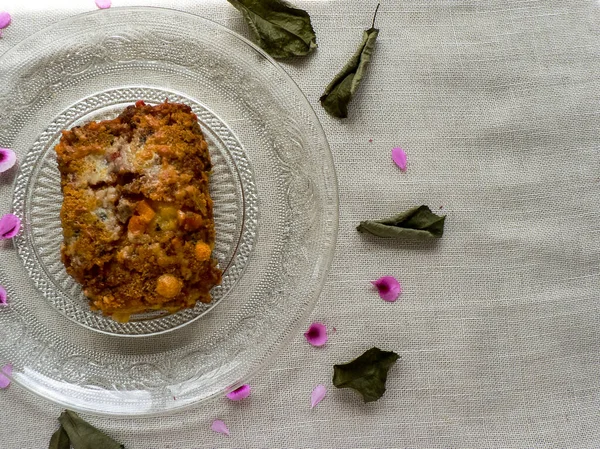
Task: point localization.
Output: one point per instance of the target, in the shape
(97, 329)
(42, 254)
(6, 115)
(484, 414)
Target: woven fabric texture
(497, 106)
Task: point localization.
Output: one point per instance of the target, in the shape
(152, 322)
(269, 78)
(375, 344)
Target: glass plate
(273, 186)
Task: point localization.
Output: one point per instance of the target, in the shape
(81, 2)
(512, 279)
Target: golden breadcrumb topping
(137, 216)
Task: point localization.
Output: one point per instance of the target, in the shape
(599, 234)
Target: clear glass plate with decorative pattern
(275, 206)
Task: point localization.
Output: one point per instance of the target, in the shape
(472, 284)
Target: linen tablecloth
(497, 105)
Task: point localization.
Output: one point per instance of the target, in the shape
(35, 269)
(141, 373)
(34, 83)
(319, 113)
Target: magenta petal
(316, 334)
(389, 288)
(10, 225)
(399, 157)
(219, 427)
(317, 395)
(5, 19)
(103, 4)
(239, 393)
(3, 296)
(5, 371)
(7, 159)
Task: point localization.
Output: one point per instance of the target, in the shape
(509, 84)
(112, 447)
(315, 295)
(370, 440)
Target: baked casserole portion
(137, 216)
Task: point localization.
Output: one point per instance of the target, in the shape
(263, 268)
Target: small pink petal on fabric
(317, 395)
(239, 393)
(5, 371)
(389, 288)
(316, 334)
(399, 157)
(5, 19)
(103, 4)
(7, 159)
(3, 296)
(10, 225)
(219, 427)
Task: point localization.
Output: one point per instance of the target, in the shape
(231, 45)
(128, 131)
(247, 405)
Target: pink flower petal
(103, 4)
(389, 288)
(317, 395)
(10, 225)
(239, 393)
(7, 159)
(3, 296)
(5, 19)
(399, 157)
(219, 427)
(5, 371)
(316, 334)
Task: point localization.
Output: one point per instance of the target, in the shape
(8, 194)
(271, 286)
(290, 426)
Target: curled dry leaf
(60, 439)
(280, 29)
(366, 374)
(418, 223)
(340, 90)
(83, 435)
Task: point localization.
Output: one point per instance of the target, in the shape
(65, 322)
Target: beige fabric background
(497, 105)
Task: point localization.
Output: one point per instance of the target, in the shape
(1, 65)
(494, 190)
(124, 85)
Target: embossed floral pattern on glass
(275, 207)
